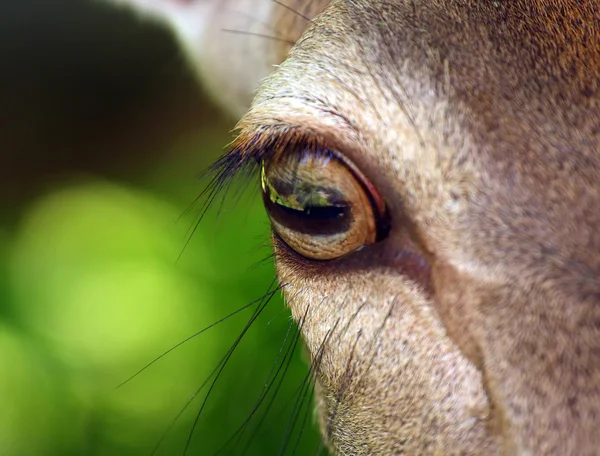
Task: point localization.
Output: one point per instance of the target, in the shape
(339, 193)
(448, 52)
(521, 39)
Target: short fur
(479, 123)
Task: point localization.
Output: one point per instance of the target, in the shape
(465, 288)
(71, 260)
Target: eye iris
(317, 205)
(306, 208)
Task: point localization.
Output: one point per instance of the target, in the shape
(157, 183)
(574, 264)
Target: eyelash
(243, 160)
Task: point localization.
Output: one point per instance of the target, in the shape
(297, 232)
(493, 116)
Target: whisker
(376, 338)
(280, 383)
(312, 372)
(256, 20)
(305, 418)
(238, 434)
(267, 297)
(266, 260)
(320, 448)
(298, 404)
(220, 370)
(289, 8)
(187, 339)
(269, 405)
(351, 319)
(186, 405)
(297, 390)
(282, 311)
(351, 366)
(263, 240)
(260, 35)
(345, 382)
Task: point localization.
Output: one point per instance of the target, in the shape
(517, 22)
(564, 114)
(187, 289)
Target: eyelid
(269, 142)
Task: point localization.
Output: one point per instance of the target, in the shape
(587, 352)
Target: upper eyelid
(270, 141)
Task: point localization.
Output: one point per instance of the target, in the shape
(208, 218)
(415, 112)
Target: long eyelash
(234, 165)
(242, 163)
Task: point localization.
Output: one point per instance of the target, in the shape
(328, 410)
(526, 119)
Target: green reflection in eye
(299, 192)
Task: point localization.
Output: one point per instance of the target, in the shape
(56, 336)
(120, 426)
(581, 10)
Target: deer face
(432, 172)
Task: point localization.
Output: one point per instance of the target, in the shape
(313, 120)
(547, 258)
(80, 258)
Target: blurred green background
(102, 136)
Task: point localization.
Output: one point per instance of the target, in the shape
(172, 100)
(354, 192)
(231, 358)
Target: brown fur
(479, 123)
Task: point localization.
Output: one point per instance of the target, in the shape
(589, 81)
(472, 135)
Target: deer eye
(320, 205)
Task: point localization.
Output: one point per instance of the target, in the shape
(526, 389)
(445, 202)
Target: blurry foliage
(97, 277)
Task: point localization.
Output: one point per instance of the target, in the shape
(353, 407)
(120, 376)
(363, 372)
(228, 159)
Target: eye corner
(384, 223)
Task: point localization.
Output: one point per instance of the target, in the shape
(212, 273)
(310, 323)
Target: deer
(431, 171)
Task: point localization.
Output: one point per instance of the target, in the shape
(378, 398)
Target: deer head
(431, 169)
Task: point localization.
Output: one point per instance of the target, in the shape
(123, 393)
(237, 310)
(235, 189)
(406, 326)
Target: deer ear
(232, 44)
